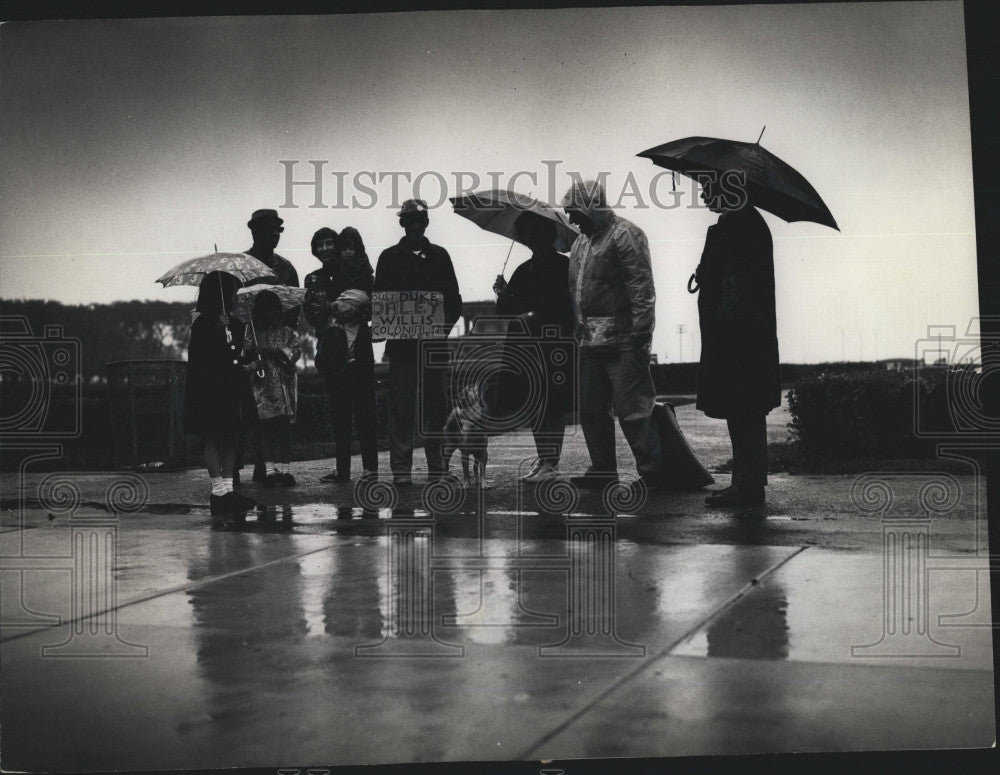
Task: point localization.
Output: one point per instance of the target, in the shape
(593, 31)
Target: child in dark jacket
(218, 404)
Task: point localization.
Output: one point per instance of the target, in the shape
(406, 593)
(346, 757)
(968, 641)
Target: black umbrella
(771, 183)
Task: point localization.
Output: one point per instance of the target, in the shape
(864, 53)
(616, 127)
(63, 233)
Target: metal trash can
(146, 399)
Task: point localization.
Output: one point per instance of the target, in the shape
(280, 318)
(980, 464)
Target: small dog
(465, 430)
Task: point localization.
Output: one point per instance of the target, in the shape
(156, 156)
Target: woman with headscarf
(337, 305)
(218, 404)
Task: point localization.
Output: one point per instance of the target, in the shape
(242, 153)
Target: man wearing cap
(266, 228)
(414, 264)
(611, 282)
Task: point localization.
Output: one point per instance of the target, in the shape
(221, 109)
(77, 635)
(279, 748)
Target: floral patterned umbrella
(239, 265)
(289, 296)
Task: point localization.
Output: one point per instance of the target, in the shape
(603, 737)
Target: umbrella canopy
(239, 265)
(288, 295)
(772, 184)
(497, 210)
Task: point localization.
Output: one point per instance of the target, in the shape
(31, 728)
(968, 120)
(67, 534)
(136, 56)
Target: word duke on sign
(407, 314)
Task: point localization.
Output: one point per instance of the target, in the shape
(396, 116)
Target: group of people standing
(601, 299)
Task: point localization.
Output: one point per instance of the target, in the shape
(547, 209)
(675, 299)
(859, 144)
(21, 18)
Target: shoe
(736, 496)
(273, 480)
(715, 496)
(594, 480)
(653, 482)
(287, 479)
(244, 503)
(230, 503)
(331, 477)
(259, 474)
(543, 472)
(536, 466)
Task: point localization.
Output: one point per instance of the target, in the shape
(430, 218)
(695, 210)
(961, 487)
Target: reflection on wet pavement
(278, 638)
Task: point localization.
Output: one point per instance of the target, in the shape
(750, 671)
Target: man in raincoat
(611, 282)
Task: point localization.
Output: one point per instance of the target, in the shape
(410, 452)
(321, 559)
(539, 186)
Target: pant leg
(595, 412)
(634, 397)
(434, 409)
(339, 393)
(403, 401)
(549, 433)
(749, 438)
(285, 442)
(268, 442)
(365, 415)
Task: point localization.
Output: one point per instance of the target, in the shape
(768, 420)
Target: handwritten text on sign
(407, 314)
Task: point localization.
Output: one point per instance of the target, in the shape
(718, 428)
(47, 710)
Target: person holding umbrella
(739, 379)
(335, 305)
(414, 263)
(611, 279)
(538, 292)
(218, 404)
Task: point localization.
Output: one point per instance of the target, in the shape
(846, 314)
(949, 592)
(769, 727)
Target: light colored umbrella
(497, 210)
(289, 296)
(772, 184)
(239, 265)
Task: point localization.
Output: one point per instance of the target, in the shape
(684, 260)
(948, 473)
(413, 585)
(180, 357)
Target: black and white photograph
(525, 386)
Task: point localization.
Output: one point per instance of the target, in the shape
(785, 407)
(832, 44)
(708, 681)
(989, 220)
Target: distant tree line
(122, 330)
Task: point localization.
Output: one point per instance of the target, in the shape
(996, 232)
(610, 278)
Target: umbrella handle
(508, 257)
(693, 279)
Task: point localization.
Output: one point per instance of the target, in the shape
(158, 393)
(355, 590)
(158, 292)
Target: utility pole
(681, 328)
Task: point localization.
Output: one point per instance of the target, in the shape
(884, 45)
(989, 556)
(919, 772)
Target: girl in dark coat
(218, 403)
(739, 379)
(349, 373)
(538, 292)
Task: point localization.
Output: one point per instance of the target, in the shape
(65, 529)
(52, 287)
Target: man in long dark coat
(739, 378)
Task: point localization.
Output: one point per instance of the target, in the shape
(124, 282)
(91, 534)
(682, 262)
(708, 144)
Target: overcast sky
(131, 145)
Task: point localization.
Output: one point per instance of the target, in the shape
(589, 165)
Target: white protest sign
(408, 314)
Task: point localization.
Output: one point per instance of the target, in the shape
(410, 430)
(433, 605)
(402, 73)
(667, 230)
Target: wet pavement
(337, 626)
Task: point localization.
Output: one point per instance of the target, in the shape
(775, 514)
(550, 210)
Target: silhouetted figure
(416, 264)
(335, 305)
(538, 292)
(739, 379)
(218, 404)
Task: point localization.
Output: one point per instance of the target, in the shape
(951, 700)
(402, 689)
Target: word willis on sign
(407, 314)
